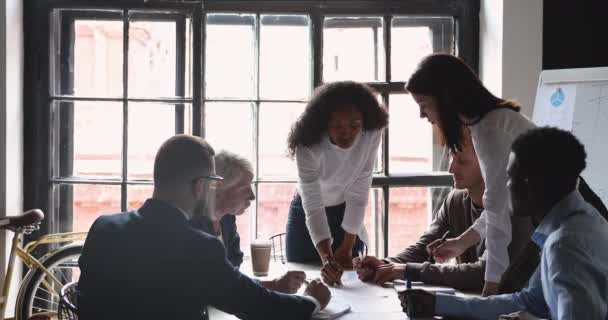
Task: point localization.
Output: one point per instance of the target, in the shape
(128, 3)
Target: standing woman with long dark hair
(451, 96)
(335, 144)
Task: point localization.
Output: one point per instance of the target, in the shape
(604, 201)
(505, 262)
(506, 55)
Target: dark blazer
(230, 236)
(152, 264)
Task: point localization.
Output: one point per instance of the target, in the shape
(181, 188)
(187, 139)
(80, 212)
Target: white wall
(11, 119)
(511, 46)
(490, 44)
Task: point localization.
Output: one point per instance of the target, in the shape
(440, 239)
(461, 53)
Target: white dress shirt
(492, 139)
(329, 175)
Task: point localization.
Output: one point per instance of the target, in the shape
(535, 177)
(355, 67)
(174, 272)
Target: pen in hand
(442, 240)
(410, 305)
(336, 267)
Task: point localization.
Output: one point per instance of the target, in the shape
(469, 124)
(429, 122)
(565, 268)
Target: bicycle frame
(25, 253)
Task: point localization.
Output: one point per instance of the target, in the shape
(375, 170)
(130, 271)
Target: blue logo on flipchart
(558, 97)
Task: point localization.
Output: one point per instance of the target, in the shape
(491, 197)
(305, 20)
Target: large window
(118, 79)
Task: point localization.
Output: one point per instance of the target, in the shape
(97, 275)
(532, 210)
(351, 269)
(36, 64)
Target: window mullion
(180, 72)
(199, 33)
(385, 220)
(125, 110)
(317, 47)
(385, 138)
(256, 124)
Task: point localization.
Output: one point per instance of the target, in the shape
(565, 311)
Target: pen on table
(410, 305)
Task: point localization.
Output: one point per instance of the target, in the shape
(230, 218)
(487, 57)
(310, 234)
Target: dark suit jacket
(152, 264)
(230, 236)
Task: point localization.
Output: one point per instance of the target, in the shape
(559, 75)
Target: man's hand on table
(319, 291)
(418, 303)
(290, 282)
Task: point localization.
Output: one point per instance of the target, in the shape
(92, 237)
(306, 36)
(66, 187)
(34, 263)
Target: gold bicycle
(39, 292)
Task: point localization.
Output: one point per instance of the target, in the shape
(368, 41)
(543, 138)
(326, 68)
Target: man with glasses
(152, 264)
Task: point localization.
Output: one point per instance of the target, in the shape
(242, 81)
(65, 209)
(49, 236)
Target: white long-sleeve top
(329, 175)
(492, 139)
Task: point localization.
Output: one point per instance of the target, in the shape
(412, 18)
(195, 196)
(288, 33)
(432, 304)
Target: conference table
(367, 301)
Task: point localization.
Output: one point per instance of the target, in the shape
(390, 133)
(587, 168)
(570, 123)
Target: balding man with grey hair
(232, 199)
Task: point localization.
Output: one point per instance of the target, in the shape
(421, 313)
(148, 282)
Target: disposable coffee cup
(260, 257)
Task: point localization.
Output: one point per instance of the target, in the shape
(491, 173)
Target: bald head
(180, 159)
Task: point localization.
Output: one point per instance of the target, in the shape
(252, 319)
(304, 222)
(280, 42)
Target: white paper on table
(361, 296)
(335, 309)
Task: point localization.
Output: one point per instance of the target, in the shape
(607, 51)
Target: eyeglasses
(214, 180)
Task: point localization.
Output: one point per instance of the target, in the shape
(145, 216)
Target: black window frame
(38, 72)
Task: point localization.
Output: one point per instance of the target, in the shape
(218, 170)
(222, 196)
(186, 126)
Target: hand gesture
(344, 256)
(443, 251)
(331, 272)
(389, 272)
(418, 303)
(366, 268)
(290, 282)
(319, 291)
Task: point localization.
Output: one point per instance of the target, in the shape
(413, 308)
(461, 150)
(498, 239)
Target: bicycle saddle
(27, 218)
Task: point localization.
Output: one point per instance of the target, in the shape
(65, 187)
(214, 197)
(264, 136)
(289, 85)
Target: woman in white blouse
(451, 96)
(335, 144)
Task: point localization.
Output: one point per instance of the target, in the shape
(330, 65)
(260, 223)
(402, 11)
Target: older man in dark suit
(152, 264)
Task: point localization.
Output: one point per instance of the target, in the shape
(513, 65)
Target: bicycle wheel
(34, 297)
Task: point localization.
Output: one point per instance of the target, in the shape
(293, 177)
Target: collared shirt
(570, 283)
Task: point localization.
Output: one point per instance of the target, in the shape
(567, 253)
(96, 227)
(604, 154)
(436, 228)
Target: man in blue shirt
(571, 281)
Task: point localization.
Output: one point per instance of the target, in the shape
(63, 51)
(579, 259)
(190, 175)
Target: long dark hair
(312, 124)
(458, 92)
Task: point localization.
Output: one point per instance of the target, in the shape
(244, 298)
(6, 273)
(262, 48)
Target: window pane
(275, 123)
(230, 56)
(410, 213)
(150, 124)
(353, 49)
(285, 60)
(84, 202)
(137, 195)
(408, 46)
(97, 60)
(152, 59)
(229, 126)
(88, 139)
(273, 205)
(411, 137)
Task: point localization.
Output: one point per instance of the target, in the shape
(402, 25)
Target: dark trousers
(298, 244)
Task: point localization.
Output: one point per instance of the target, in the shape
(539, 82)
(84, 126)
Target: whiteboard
(577, 100)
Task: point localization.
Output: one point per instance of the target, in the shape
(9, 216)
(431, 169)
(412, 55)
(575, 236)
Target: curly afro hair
(342, 95)
(551, 156)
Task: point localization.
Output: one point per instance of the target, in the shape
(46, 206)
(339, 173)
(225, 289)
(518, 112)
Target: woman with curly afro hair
(335, 144)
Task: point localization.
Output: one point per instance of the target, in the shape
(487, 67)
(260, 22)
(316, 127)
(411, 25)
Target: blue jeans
(298, 244)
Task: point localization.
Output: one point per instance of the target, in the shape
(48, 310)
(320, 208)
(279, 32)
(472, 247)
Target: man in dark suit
(152, 264)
